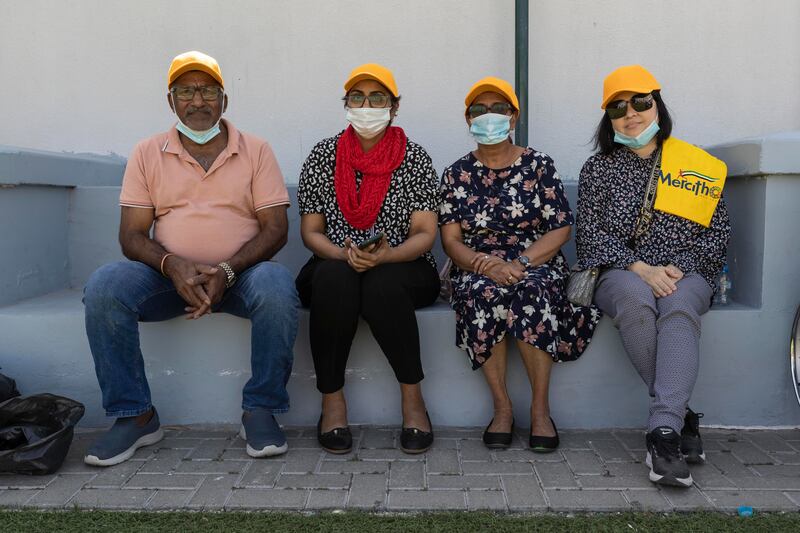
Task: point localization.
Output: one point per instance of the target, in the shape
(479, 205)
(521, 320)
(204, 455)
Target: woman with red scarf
(368, 201)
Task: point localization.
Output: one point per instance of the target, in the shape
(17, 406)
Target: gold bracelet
(162, 263)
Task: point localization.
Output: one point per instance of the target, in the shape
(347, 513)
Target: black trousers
(385, 296)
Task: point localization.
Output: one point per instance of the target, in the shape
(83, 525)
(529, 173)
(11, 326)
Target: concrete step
(196, 371)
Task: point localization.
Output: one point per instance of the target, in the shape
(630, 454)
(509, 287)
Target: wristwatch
(524, 260)
(229, 273)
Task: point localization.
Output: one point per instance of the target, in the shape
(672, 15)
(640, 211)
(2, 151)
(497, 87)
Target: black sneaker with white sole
(667, 465)
(691, 443)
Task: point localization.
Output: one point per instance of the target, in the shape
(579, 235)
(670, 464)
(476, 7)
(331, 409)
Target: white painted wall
(89, 75)
(728, 68)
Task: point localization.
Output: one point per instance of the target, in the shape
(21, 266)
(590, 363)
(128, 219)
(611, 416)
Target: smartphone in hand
(372, 240)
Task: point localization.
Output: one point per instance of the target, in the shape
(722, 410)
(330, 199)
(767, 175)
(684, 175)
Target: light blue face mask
(199, 137)
(490, 128)
(641, 140)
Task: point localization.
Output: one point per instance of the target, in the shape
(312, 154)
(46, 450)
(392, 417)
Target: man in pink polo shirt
(216, 202)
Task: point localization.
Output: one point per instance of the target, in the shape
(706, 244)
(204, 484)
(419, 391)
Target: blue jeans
(120, 295)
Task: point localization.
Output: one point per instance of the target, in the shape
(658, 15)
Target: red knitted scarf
(361, 205)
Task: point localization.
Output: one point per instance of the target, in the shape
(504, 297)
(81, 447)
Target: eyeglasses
(357, 99)
(639, 102)
(501, 108)
(207, 92)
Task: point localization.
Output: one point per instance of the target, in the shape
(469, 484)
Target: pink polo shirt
(203, 216)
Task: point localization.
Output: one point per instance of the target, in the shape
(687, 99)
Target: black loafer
(413, 440)
(497, 439)
(337, 440)
(544, 444)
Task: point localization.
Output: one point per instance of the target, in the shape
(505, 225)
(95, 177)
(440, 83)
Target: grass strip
(358, 522)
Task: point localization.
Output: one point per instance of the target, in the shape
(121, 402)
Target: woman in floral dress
(504, 217)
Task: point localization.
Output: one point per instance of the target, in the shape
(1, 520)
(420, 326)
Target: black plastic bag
(8, 388)
(36, 432)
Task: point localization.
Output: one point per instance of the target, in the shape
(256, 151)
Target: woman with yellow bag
(652, 220)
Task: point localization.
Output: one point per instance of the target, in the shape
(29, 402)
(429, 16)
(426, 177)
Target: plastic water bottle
(723, 287)
(745, 511)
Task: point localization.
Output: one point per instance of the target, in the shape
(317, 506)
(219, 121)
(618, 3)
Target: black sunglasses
(500, 108)
(639, 102)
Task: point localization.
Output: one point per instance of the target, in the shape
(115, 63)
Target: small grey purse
(580, 286)
(581, 283)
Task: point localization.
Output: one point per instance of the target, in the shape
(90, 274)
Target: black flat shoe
(413, 440)
(337, 440)
(497, 439)
(544, 444)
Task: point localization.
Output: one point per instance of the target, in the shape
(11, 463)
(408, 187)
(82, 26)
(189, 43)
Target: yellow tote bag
(690, 182)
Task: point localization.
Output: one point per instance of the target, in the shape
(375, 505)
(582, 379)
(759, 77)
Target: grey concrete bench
(197, 368)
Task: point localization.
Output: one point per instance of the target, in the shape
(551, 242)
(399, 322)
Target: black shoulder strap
(646, 212)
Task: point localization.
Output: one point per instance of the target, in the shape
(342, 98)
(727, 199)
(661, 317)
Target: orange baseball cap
(633, 78)
(194, 60)
(492, 84)
(372, 71)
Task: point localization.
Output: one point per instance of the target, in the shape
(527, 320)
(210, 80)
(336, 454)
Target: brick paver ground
(592, 471)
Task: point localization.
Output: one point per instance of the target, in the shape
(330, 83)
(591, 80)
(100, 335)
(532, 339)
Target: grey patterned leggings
(661, 336)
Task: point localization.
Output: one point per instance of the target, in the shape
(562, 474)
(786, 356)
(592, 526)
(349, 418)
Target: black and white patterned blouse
(610, 195)
(414, 187)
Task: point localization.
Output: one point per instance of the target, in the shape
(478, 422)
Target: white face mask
(369, 121)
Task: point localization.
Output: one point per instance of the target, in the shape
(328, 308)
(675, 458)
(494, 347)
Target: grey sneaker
(263, 434)
(691, 443)
(667, 465)
(119, 443)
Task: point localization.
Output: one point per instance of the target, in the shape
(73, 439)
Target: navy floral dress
(502, 212)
